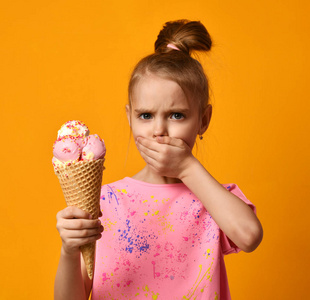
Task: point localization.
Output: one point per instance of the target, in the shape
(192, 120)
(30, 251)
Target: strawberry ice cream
(67, 149)
(74, 144)
(94, 148)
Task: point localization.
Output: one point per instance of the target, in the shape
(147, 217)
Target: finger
(147, 151)
(85, 233)
(149, 160)
(169, 141)
(76, 224)
(84, 241)
(71, 212)
(148, 143)
(73, 243)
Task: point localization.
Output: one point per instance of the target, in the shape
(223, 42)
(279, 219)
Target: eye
(177, 116)
(145, 116)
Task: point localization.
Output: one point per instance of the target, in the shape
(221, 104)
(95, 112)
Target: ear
(206, 118)
(128, 113)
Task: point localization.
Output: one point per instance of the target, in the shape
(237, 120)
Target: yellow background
(63, 60)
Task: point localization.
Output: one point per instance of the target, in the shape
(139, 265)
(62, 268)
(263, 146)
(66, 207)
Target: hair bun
(185, 35)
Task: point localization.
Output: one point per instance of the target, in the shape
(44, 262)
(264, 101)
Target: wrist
(73, 254)
(190, 165)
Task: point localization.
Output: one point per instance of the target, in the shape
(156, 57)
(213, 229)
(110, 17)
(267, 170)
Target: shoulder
(123, 186)
(114, 186)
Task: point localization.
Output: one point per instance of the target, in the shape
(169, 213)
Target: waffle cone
(81, 184)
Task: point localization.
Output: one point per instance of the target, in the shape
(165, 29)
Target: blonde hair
(177, 64)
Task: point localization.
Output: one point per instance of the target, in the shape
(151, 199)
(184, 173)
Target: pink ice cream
(67, 149)
(94, 148)
(74, 144)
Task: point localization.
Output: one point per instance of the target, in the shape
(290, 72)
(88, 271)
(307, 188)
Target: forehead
(152, 90)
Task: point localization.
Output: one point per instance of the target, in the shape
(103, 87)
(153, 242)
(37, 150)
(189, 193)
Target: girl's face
(160, 108)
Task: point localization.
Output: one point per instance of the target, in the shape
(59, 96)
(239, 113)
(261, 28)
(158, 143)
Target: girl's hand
(76, 228)
(168, 156)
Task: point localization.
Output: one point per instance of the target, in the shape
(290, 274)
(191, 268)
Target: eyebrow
(178, 110)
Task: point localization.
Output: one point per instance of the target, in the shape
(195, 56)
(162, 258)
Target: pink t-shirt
(159, 243)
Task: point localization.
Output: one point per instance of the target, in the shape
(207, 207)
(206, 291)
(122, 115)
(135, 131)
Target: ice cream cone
(81, 184)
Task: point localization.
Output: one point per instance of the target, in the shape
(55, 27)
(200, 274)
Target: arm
(233, 216)
(172, 157)
(69, 282)
(76, 229)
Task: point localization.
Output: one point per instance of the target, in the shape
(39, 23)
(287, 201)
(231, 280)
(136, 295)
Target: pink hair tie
(173, 47)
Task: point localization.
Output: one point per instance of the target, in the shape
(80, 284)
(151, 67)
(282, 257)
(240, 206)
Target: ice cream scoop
(57, 163)
(94, 148)
(67, 150)
(73, 128)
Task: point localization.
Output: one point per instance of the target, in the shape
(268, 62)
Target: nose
(160, 128)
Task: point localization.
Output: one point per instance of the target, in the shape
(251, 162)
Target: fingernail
(99, 222)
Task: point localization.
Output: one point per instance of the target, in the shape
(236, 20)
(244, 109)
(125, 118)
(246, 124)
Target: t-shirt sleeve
(228, 246)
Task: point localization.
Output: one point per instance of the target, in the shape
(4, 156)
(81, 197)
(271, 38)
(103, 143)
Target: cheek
(191, 141)
(142, 130)
(187, 134)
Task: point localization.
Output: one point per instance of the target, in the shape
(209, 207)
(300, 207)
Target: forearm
(69, 283)
(235, 218)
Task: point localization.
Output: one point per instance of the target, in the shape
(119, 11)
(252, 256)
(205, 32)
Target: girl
(168, 227)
